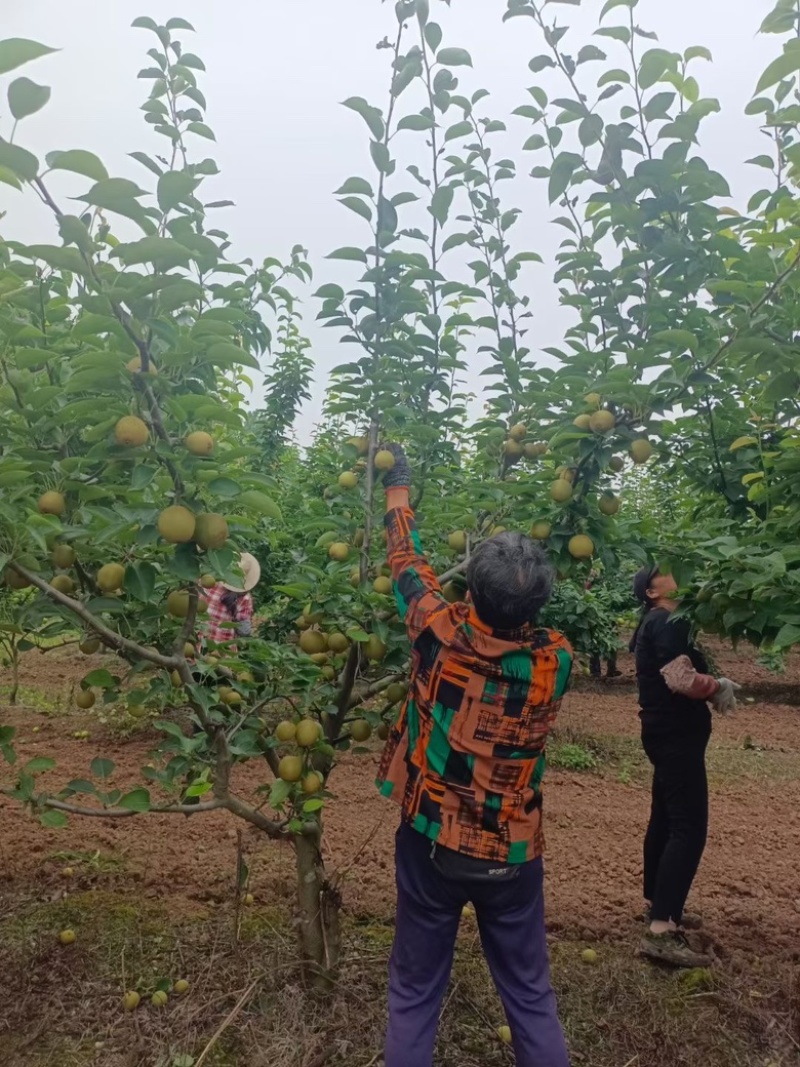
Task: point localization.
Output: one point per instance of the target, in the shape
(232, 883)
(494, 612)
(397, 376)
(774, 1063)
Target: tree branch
(255, 818)
(112, 639)
(124, 813)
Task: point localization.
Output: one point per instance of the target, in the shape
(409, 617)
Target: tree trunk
(319, 903)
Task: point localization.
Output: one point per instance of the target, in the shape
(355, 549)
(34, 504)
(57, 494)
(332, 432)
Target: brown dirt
(748, 888)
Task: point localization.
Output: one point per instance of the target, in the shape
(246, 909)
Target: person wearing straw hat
(230, 607)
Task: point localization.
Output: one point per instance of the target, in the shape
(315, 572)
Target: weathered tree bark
(319, 905)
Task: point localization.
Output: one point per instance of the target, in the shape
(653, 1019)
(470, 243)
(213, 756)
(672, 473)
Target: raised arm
(417, 589)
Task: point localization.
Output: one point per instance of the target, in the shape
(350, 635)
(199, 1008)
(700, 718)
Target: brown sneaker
(673, 949)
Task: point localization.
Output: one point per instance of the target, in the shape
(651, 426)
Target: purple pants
(511, 923)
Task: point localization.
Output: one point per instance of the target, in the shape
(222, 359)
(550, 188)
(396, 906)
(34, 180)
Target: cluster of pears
(602, 421)
(305, 764)
(133, 432)
(383, 461)
(516, 447)
(323, 648)
(176, 524)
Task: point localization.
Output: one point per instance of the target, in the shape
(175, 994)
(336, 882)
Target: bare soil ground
(154, 897)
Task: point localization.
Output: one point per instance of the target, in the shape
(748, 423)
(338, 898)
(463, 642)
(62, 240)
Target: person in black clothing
(674, 688)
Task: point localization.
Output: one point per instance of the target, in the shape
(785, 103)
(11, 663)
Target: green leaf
(539, 63)
(80, 162)
(564, 166)
(9, 178)
(279, 793)
(74, 232)
(454, 240)
(590, 53)
(100, 679)
(743, 442)
(534, 142)
(163, 252)
(199, 789)
(461, 129)
(782, 67)
(26, 97)
(101, 768)
(330, 291)
(441, 202)
(53, 820)
(80, 785)
(677, 340)
(782, 387)
(146, 161)
(788, 635)
(313, 805)
(140, 581)
(590, 130)
(19, 161)
(655, 63)
(179, 24)
(417, 123)
(380, 156)
(355, 255)
(144, 22)
(202, 130)
(697, 52)
(18, 50)
(224, 487)
(260, 502)
(109, 193)
(433, 35)
(611, 4)
(39, 764)
(175, 187)
(59, 258)
(454, 57)
(226, 354)
(355, 187)
(358, 206)
(762, 161)
(136, 800)
(371, 115)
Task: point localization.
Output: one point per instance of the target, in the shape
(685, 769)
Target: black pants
(596, 666)
(676, 836)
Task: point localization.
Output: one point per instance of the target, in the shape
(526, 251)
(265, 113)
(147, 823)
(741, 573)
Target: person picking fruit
(230, 607)
(674, 689)
(465, 762)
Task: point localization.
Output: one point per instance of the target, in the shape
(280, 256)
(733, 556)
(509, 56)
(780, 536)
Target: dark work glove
(400, 474)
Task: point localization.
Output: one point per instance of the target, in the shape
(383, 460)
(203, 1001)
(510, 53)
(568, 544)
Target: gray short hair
(510, 579)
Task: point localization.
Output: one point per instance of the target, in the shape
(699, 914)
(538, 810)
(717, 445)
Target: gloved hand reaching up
(399, 476)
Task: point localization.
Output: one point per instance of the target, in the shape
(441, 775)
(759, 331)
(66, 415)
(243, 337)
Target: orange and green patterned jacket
(466, 757)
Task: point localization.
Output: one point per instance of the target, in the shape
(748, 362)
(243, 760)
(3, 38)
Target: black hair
(510, 579)
(642, 581)
(230, 601)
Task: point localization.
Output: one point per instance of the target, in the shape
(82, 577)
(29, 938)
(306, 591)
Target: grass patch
(624, 759)
(47, 701)
(98, 862)
(568, 756)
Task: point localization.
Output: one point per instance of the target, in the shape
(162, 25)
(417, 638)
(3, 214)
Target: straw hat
(251, 574)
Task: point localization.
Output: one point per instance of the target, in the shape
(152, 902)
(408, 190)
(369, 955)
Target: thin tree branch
(112, 639)
(124, 813)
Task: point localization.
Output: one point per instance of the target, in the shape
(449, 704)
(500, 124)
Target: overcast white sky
(277, 71)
